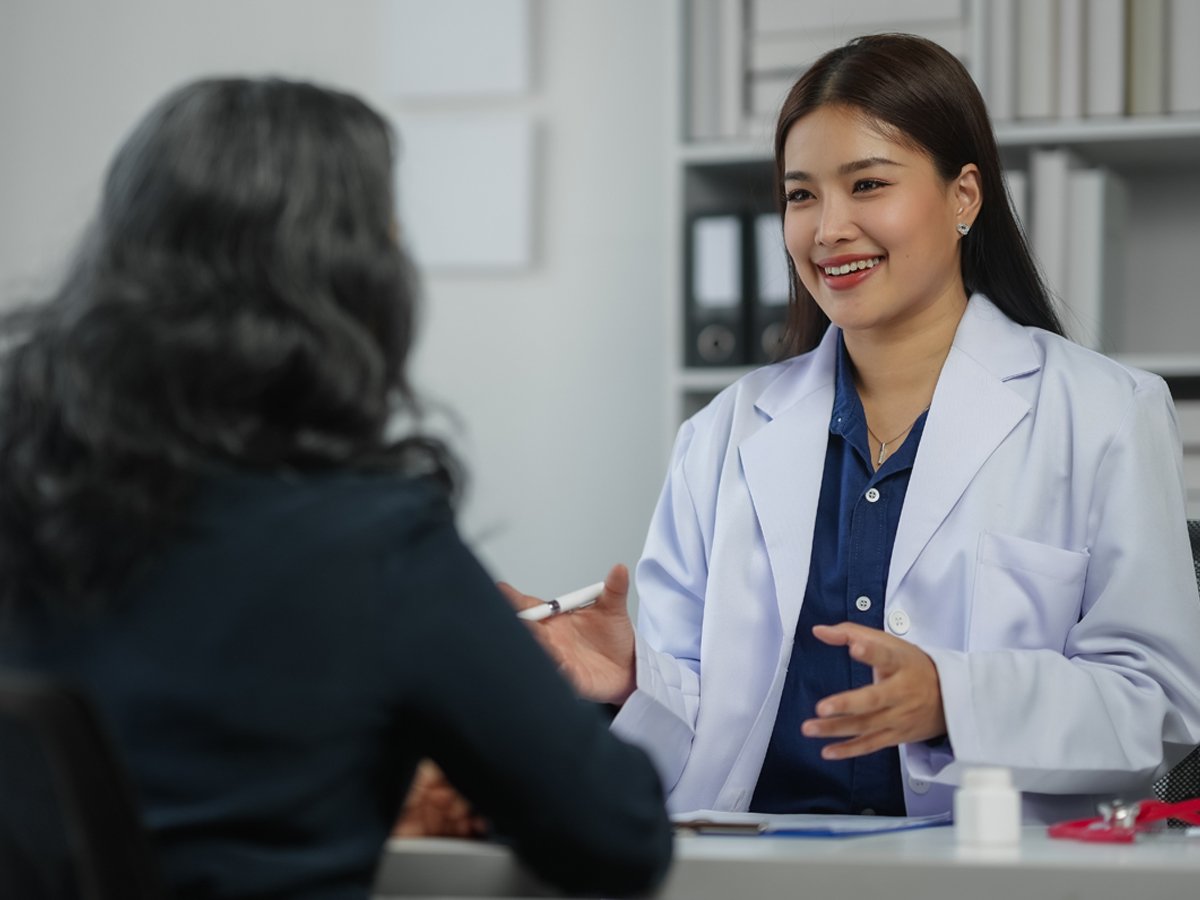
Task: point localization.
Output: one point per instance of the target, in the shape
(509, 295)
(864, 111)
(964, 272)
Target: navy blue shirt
(857, 516)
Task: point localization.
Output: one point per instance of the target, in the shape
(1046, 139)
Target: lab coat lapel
(973, 410)
(783, 462)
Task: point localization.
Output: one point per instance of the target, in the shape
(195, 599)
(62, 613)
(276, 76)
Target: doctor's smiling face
(870, 223)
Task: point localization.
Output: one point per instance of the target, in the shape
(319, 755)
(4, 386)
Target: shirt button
(917, 786)
(898, 621)
(872, 495)
(863, 603)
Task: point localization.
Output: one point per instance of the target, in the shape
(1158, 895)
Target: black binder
(716, 290)
(772, 284)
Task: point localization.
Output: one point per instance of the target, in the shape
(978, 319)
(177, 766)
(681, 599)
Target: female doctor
(940, 535)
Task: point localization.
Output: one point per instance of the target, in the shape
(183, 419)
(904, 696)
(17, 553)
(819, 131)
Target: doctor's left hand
(902, 706)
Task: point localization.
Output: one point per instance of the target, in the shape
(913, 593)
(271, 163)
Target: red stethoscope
(1121, 823)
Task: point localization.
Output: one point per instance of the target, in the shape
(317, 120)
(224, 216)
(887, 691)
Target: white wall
(557, 371)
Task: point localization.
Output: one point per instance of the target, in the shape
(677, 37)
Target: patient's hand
(434, 808)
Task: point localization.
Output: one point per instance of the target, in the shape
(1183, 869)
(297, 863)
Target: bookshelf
(1151, 318)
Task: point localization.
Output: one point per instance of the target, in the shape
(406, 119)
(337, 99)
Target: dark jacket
(273, 678)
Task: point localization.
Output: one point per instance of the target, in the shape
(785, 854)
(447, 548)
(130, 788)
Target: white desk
(910, 865)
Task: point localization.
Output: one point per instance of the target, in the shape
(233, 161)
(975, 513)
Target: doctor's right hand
(594, 647)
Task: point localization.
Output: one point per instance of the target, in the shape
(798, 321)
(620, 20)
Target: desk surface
(921, 865)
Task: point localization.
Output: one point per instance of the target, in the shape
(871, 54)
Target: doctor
(940, 535)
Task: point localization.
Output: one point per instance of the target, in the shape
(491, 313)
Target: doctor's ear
(968, 193)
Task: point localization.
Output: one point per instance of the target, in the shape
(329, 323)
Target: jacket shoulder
(762, 390)
(1092, 376)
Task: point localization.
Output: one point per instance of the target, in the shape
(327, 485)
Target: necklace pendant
(882, 451)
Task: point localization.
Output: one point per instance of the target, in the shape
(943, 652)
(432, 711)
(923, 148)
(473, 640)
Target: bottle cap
(993, 777)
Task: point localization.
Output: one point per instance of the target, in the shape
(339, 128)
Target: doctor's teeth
(847, 268)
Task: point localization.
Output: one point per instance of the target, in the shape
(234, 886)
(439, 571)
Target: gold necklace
(883, 444)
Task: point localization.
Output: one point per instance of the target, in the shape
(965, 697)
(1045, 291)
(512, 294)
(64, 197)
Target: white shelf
(1109, 130)
(725, 152)
(713, 379)
(1168, 365)
(1136, 141)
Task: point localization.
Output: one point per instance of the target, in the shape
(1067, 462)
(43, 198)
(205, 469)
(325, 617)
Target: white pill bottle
(987, 808)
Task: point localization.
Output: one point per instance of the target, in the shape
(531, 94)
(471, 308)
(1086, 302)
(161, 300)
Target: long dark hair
(920, 93)
(240, 302)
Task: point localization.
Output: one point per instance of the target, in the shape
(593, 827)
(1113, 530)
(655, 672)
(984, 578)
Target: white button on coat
(863, 603)
(898, 622)
(917, 786)
(872, 495)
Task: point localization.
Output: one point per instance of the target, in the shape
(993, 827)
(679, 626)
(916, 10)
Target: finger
(867, 645)
(424, 778)
(842, 726)
(835, 635)
(616, 588)
(858, 702)
(463, 828)
(862, 745)
(427, 770)
(408, 827)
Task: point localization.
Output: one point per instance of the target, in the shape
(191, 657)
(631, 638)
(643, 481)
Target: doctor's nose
(834, 225)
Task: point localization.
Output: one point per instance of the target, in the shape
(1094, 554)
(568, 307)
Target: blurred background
(547, 361)
(561, 164)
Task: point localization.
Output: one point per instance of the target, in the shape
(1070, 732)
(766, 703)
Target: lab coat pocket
(1027, 595)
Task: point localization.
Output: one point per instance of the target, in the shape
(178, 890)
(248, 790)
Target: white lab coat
(1041, 560)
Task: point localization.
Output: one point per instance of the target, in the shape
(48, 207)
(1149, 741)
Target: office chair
(1183, 781)
(69, 822)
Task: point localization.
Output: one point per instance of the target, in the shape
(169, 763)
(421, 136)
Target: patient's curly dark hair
(241, 301)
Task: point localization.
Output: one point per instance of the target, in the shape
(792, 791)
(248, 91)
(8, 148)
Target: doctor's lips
(847, 270)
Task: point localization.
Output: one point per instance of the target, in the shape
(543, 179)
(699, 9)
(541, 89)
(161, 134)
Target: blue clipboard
(716, 822)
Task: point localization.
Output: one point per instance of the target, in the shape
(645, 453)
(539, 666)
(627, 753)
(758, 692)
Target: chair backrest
(1194, 537)
(1183, 781)
(69, 820)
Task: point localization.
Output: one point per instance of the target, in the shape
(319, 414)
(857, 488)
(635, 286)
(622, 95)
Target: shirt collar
(849, 422)
(848, 417)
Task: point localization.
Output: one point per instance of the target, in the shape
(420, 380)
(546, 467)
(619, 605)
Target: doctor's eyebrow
(845, 168)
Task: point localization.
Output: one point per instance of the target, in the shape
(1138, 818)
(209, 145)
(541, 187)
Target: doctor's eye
(865, 185)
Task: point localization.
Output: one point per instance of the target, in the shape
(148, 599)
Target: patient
(204, 522)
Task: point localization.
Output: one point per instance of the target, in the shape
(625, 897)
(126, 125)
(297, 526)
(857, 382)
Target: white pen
(568, 602)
